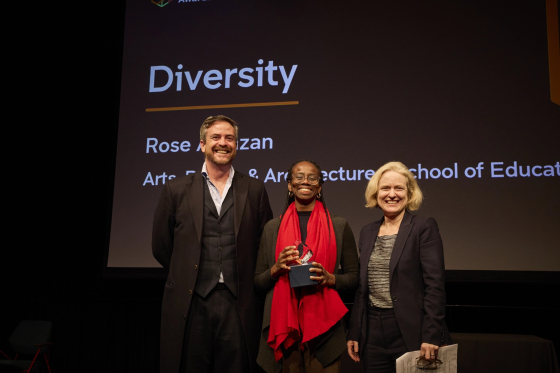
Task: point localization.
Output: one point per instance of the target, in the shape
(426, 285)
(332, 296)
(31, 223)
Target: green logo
(161, 3)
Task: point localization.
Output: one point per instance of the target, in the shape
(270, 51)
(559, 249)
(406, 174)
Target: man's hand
(353, 350)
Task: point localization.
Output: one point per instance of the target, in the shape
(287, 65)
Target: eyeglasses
(311, 179)
(423, 363)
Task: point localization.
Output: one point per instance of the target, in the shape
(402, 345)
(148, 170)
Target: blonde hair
(413, 190)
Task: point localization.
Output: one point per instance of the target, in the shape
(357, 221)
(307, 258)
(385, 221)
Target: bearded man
(206, 233)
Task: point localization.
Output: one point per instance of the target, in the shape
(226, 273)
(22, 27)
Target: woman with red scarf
(302, 327)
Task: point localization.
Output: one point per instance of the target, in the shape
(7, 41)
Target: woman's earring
(318, 195)
(290, 194)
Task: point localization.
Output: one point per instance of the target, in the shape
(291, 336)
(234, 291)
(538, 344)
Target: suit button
(219, 235)
(394, 299)
(190, 291)
(220, 248)
(196, 266)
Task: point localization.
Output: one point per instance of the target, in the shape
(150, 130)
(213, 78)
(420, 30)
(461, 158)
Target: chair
(31, 337)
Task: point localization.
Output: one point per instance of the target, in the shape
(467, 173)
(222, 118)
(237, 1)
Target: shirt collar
(205, 173)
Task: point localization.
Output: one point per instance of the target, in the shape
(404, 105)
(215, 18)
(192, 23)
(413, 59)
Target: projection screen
(460, 92)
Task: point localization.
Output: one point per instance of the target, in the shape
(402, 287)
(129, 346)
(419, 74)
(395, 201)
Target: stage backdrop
(459, 91)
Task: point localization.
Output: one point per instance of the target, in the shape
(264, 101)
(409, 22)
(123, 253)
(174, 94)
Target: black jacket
(176, 245)
(417, 283)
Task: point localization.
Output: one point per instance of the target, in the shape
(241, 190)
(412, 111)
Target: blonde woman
(400, 301)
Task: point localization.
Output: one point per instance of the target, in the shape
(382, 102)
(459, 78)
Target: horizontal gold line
(254, 104)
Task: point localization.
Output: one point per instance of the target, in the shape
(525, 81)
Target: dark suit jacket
(417, 283)
(176, 244)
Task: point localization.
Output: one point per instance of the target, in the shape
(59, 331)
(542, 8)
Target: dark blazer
(176, 244)
(417, 283)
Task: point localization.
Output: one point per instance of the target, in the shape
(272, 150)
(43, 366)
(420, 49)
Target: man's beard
(221, 161)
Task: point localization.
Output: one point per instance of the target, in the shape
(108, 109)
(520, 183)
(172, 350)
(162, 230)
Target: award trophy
(299, 269)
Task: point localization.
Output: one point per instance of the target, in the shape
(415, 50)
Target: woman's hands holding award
(321, 275)
(288, 255)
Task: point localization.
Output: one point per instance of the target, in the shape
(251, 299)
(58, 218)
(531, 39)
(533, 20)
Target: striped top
(378, 272)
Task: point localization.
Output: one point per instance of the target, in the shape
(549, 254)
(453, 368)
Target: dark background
(432, 83)
(59, 206)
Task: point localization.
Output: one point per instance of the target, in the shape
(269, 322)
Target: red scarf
(318, 308)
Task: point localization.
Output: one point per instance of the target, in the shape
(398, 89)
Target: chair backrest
(28, 333)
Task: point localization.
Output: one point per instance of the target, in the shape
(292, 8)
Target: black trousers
(214, 339)
(384, 341)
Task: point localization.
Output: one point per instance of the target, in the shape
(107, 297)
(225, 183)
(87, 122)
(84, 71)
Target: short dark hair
(209, 122)
(291, 198)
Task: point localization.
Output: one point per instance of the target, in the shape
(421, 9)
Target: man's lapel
(227, 203)
(404, 231)
(195, 193)
(208, 200)
(240, 190)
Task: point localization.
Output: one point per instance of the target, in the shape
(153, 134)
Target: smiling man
(206, 233)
